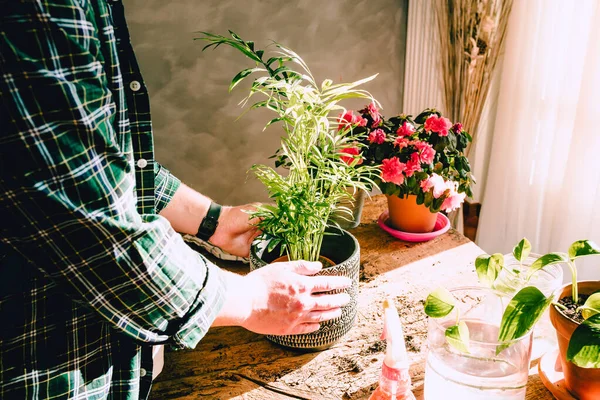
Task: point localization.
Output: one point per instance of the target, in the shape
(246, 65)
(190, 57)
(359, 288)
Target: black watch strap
(210, 222)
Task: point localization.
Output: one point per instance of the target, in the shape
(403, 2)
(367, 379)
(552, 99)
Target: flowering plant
(421, 156)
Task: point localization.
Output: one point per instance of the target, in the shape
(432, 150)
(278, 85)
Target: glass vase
(480, 374)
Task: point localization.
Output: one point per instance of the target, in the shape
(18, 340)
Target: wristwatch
(210, 222)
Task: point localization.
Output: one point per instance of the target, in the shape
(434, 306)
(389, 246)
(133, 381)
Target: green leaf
(488, 267)
(583, 248)
(584, 346)
(591, 306)
(545, 260)
(521, 314)
(521, 251)
(241, 75)
(439, 303)
(457, 336)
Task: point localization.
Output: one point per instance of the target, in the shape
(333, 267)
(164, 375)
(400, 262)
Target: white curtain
(543, 181)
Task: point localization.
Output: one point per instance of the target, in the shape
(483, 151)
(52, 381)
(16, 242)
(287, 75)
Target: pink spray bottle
(394, 382)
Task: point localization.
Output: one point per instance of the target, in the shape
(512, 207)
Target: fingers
(329, 301)
(327, 283)
(305, 328)
(322, 316)
(304, 267)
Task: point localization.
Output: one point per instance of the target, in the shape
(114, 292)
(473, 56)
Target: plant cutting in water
(528, 304)
(317, 150)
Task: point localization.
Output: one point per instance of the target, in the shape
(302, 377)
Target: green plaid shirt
(90, 275)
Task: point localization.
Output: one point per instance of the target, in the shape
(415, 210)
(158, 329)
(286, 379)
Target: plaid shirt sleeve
(67, 186)
(166, 184)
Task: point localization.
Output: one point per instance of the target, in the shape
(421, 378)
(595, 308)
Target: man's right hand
(283, 299)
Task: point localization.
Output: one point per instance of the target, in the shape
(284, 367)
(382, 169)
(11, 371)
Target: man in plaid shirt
(93, 273)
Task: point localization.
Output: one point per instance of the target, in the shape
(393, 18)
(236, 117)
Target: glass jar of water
(480, 374)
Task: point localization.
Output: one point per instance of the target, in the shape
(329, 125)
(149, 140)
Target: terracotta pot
(583, 383)
(408, 216)
(343, 249)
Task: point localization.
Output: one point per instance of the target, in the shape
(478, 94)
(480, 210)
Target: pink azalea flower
(352, 152)
(360, 121)
(345, 120)
(413, 165)
(453, 201)
(401, 142)
(348, 119)
(457, 128)
(377, 136)
(373, 111)
(391, 170)
(438, 124)
(406, 129)
(426, 152)
(437, 183)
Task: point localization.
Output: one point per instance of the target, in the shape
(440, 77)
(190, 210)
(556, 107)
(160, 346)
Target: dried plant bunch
(318, 168)
(472, 34)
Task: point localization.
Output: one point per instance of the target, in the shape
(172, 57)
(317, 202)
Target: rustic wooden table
(235, 363)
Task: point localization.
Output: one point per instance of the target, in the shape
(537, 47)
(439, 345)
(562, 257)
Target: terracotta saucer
(442, 224)
(552, 376)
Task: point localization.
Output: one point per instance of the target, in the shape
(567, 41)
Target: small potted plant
(422, 165)
(576, 318)
(322, 170)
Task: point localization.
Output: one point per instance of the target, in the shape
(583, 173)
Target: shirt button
(135, 86)
(142, 372)
(142, 163)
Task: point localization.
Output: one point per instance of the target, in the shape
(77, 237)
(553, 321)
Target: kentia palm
(317, 153)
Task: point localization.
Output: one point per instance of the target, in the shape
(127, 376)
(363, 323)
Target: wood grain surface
(234, 363)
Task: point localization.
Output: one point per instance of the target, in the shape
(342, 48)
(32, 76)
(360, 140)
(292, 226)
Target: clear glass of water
(548, 280)
(481, 374)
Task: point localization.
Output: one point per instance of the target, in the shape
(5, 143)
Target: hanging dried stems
(471, 33)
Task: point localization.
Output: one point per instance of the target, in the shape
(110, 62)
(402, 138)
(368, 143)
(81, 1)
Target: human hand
(283, 299)
(235, 232)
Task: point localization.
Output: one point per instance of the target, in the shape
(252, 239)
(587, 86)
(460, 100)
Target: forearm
(237, 307)
(186, 210)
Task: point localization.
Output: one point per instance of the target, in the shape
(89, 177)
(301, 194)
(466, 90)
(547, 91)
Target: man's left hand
(235, 231)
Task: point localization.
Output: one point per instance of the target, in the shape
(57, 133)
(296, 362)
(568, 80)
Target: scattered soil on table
(412, 344)
(219, 347)
(348, 364)
(571, 311)
(377, 347)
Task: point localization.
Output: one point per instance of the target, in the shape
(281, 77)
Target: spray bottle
(394, 382)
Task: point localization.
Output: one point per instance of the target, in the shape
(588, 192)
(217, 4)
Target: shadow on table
(381, 253)
(227, 363)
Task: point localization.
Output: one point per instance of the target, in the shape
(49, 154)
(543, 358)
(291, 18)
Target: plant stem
(559, 305)
(574, 288)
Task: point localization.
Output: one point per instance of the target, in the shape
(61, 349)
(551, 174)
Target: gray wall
(196, 132)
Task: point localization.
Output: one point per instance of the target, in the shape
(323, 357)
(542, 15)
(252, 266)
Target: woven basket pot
(342, 248)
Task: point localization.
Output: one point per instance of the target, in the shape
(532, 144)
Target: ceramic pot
(583, 383)
(408, 216)
(346, 221)
(343, 249)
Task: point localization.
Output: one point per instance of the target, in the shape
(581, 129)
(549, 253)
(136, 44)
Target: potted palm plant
(321, 171)
(576, 318)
